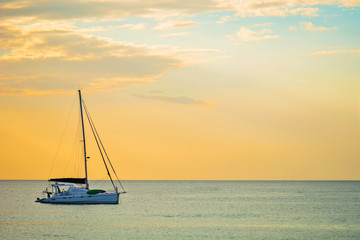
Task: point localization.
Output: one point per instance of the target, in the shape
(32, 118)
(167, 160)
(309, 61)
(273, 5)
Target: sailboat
(78, 191)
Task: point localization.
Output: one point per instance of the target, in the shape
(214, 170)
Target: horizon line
(268, 180)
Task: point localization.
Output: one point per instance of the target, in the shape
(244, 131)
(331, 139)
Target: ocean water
(189, 210)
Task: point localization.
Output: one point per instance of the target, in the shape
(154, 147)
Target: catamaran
(78, 191)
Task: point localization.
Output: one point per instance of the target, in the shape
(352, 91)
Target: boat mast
(83, 132)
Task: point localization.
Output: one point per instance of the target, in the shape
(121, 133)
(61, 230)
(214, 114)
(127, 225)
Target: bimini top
(69, 180)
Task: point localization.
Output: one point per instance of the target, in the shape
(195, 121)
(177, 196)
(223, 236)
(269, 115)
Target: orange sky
(205, 90)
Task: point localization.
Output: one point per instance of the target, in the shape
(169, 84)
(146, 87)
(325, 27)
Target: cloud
(67, 45)
(248, 35)
(293, 28)
(139, 26)
(308, 26)
(79, 9)
(265, 8)
(12, 88)
(279, 8)
(336, 52)
(350, 3)
(170, 35)
(189, 56)
(34, 92)
(224, 19)
(118, 83)
(44, 62)
(180, 100)
(27, 25)
(14, 4)
(174, 24)
(261, 25)
(47, 46)
(103, 10)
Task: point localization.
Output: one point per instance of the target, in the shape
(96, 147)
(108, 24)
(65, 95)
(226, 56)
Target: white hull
(100, 198)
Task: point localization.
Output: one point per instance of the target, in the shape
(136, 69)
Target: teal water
(189, 210)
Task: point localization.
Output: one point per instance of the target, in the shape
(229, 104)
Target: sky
(182, 90)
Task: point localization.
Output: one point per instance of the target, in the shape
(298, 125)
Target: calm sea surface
(189, 210)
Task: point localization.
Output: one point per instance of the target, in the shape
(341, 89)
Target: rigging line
(98, 136)
(62, 136)
(75, 150)
(78, 151)
(112, 167)
(97, 142)
(72, 156)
